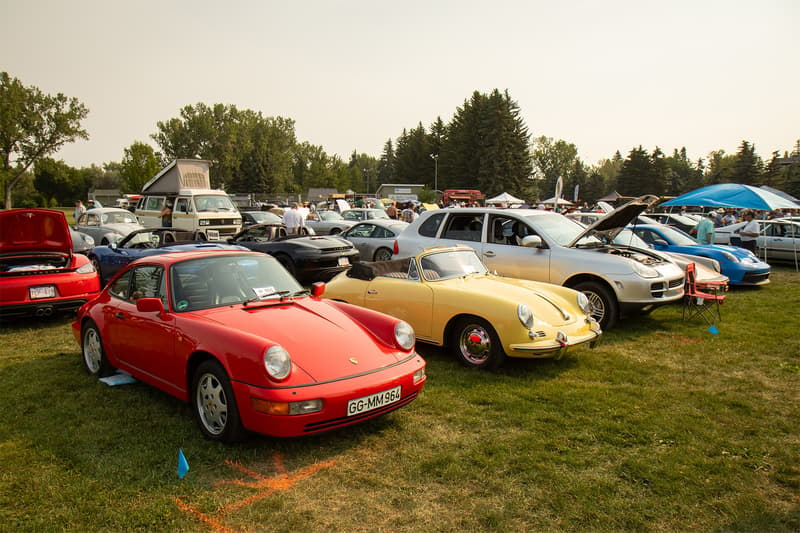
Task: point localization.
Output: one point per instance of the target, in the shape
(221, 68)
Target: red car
(235, 335)
(39, 273)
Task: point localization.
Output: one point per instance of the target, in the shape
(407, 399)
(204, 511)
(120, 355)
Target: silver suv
(546, 246)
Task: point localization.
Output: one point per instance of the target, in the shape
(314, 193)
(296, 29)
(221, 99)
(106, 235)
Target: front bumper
(561, 345)
(335, 396)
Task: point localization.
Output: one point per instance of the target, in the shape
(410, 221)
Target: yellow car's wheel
(476, 344)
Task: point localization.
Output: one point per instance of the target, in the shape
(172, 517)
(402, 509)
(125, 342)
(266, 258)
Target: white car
(779, 239)
(546, 246)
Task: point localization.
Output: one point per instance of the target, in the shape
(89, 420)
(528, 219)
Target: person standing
(392, 211)
(749, 232)
(166, 214)
(705, 228)
(291, 219)
(79, 210)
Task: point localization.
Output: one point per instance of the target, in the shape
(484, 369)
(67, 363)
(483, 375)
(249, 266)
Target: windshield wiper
(257, 298)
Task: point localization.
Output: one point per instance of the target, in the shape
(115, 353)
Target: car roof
(382, 222)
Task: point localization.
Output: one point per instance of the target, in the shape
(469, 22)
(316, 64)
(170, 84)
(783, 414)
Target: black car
(307, 258)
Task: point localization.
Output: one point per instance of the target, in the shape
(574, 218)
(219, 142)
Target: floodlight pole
(435, 158)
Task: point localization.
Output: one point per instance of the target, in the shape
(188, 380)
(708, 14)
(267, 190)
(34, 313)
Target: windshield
(213, 203)
(265, 217)
(627, 237)
(677, 237)
(229, 280)
(119, 217)
(329, 216)
(446, 265)
(562, 229)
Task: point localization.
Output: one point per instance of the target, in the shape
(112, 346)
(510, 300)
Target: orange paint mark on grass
(265, 486)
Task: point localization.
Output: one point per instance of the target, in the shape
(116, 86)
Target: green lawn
(665, 426)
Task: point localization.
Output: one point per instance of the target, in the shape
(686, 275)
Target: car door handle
(489, 253)
(372, 291)
(119, 314)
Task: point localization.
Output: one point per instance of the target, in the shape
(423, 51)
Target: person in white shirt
(749, 233)
(292, 219)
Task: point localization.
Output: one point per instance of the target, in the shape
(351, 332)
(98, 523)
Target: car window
(183, 206)
(119, 288)
(502, 230)
(413, 273)
(154, 203)
(430, 227)
(464, 227)
(382, 233)
(92, 220)
(361, 230)
(145, 282)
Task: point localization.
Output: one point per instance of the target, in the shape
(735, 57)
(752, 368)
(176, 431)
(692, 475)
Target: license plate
(373, 401)
(343, 261)
(44, 291)
(212, 234)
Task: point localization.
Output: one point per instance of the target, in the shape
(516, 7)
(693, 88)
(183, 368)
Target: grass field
(665, 426)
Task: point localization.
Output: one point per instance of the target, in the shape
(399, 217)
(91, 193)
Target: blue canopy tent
(736, 195)
(733, 195)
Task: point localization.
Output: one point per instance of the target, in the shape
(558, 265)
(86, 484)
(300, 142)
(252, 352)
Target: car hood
(614, 222)
(34, 230)
(547, 305)
(329, 353)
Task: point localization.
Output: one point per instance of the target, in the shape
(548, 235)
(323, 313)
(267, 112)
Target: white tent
(552, 201)
(505, 198)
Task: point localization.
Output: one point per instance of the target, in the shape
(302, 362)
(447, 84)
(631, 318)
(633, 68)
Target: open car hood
(609, 226)
(34, 230)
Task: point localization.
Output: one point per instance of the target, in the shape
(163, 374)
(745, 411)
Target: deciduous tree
(139, 164)
(33, 125)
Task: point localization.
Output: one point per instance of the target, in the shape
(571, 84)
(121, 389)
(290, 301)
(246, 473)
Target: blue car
(110, 259)
(741, 266)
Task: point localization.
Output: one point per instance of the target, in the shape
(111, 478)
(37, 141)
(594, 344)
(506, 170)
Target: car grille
(332, 423)
(755, 277)
(658, 289)
(222, 222)
(336, 249)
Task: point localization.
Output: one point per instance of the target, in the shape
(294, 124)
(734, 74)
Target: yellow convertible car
(450, 299)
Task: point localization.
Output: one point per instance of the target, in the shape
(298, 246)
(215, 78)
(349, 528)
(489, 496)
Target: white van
(207, 210)
(184, 186)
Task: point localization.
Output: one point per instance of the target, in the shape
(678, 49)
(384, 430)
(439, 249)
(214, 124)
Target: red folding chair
(702, 300)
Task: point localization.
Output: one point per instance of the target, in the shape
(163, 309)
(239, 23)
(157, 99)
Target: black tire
(214, 405)
(382, 254)
(604, 304)
(476, 344)
(94, 356)
(335, 231)
(96, 265)
(287, 263)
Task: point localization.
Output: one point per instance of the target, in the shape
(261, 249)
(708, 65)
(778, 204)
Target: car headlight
(205, 222)
(404, 335)
(88, 268)
(525, 315)
(730, 257)
(277, 362)
(644, 270)
(584, 304)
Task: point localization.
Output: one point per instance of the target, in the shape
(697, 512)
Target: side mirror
(317, 289)
(532, 241)
(149, 305)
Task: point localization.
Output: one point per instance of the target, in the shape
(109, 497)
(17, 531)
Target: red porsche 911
(39, 273)
(235, 335)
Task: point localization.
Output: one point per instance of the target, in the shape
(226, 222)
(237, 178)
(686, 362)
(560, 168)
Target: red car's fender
(378, 324)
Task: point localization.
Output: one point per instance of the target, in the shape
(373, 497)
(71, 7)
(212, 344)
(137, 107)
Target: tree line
(486, 145)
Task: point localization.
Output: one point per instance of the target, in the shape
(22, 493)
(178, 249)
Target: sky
(604, 75)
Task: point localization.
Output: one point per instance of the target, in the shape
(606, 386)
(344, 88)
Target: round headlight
(277, 362)
(525, 315)
(583, 303)
(644, 271)
(404, 335)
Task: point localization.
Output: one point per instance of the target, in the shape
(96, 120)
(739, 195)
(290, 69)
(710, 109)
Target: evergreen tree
(635, 173)
(386, 164)
(748, 166)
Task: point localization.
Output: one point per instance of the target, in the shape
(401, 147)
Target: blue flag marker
(183, 465)
(713, 329)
